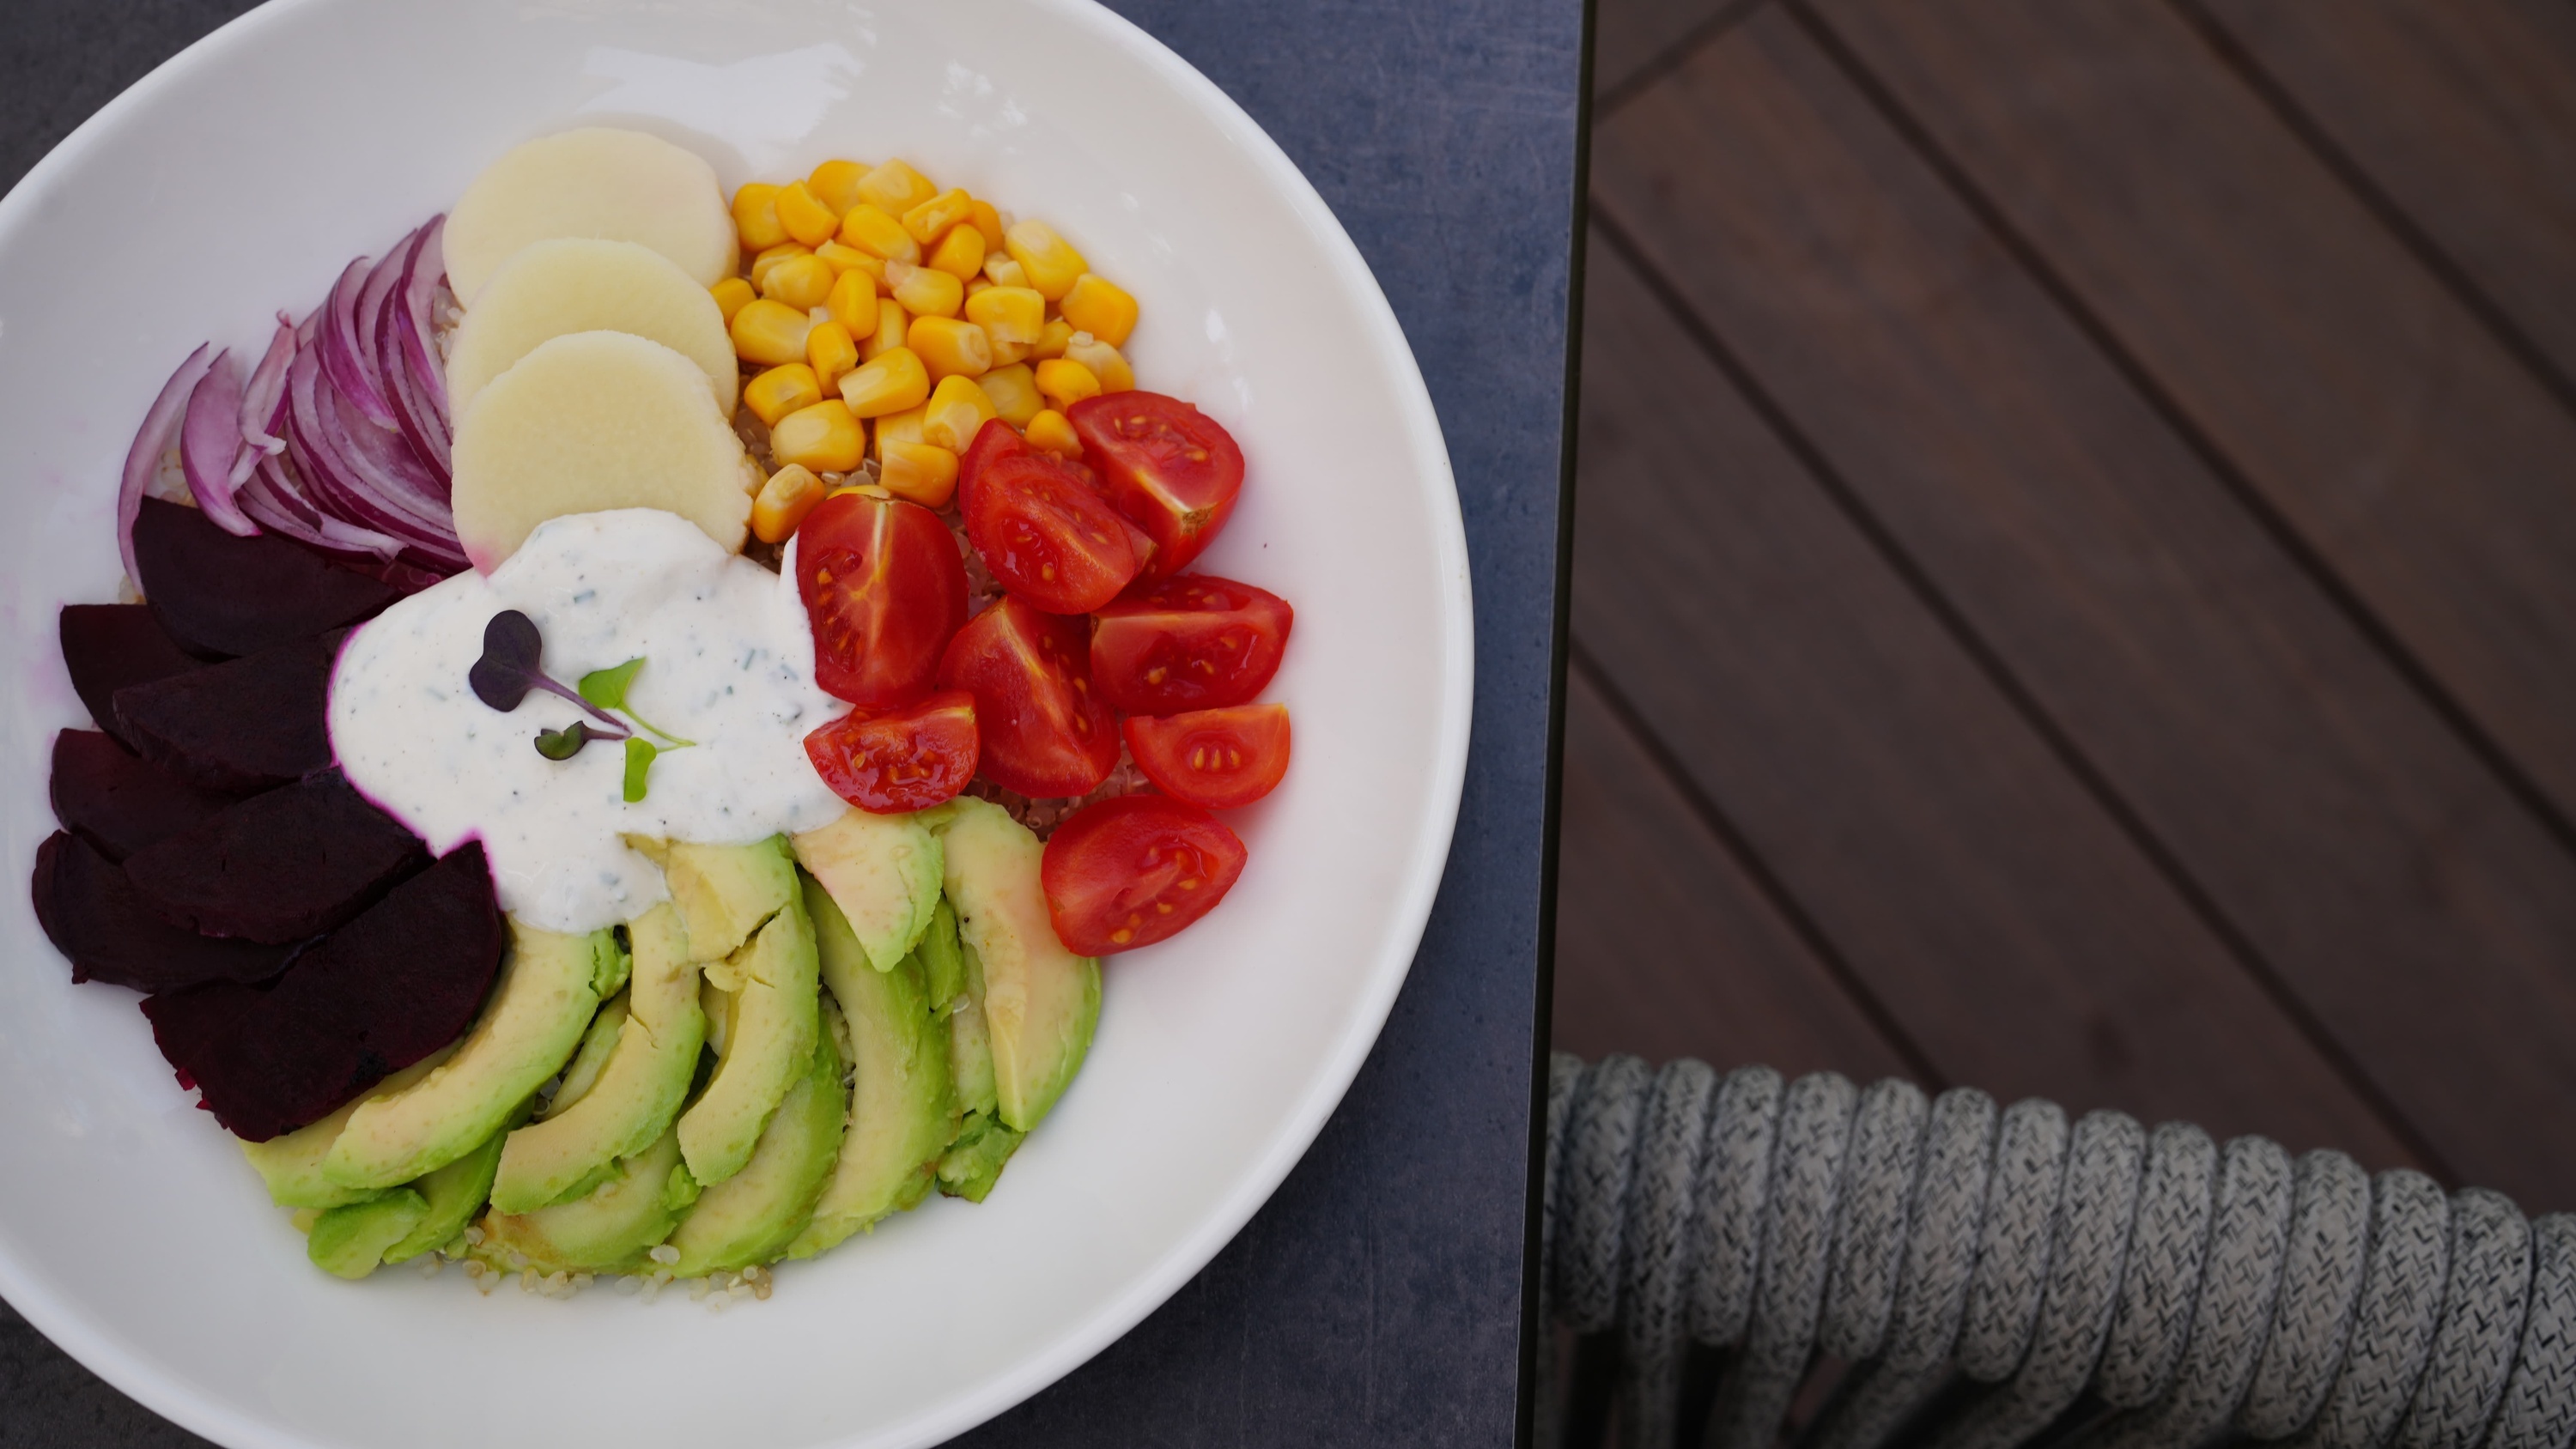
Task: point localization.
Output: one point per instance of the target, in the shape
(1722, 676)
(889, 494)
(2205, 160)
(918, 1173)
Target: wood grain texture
(1630, 37)
(2373, 868)
(1966, 876)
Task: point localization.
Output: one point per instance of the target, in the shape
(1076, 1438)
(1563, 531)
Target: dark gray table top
(1378, 1298)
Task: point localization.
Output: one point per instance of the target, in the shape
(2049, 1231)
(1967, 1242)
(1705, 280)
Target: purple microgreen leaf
(513, 653)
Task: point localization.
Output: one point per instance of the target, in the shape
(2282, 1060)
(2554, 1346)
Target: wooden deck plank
(2407, 900)
(2460, 112)
(1630, 36)
(1957, 867)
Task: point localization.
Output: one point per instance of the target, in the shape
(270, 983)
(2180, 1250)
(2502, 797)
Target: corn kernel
(960, 253)
(958, 409)
(770, 332)
(844, 260)
(1007, 354)
(836, 184)
(950, 348)
(1014, 393)
(1053, 431)
(1052, 342)
(931, 220)
(1051, 261)
(731, 294)
(895, 188)
(988, 221)
(874, 230)
(782, 390)
(894, 428)
(1001, 271)
(800, 282)
(1104, 361)
(853, 303)
(783, 502)
(761, 264)
(1101, 308)
(889, 382)
(923, 292)
(806, 218)
(1008, 314)
(823, 437)
(755, 216)
(891, 327)
(975, 285)
(922, 473)
(1063, 382)
(831, 351)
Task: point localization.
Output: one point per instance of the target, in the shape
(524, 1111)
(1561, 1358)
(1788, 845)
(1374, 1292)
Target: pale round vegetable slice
(588, 422)
(594, 182)
(583, 284)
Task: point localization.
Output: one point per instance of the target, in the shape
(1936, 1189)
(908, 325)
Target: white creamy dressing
(729, 664)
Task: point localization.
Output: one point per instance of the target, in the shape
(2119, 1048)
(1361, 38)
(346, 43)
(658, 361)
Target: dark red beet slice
(119, 803)
(95, 916)
(292, 863)
(402, 980)
(219, 595)
(242, 725)
(110, 646)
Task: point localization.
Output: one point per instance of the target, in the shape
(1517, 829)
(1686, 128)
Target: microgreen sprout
(606, 688)
(511, 665)
(639, 762)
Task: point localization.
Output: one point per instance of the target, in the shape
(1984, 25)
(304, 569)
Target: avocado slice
(884, 872)
(454, 1194)
(903, 1106)
(750, 1216)
(292, 1165)
(767, 1045)
(724, 892)
(587, 1063)
(970, 1042)
(943, 960)
(1041, 1001)
(547, 993)
(639, 1085)
(350, 1240)
(973, 1163)
(608, 1229)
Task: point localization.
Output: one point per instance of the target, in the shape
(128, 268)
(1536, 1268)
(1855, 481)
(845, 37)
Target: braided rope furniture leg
(1797, 1232)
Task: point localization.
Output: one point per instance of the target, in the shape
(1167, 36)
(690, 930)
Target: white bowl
(238, 179)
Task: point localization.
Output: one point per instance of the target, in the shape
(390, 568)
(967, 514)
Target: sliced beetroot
(242, 725)
(110, 646)
(283, 866)
(107, 795)
(220, 595)
(402, 980)
(95, 916)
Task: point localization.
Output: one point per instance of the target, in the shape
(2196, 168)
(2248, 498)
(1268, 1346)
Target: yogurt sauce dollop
(729, 663)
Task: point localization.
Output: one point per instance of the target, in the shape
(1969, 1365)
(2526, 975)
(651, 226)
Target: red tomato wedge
(1043, 730)
(1192, 642)
(900, 761)
(1219, 759)
(1044, 531)
(1132, 871)
(1167, 466)
(884, 589)
(996, 439)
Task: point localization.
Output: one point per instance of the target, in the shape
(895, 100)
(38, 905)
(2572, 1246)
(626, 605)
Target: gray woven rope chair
(1985, 1278)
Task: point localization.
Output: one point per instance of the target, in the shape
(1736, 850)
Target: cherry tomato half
(996, 439)
(1046, 533)
(884, 590)
(1192, 642)
(1129, 872)
(900, 761)
(1043, 730)
(1216, 758)
(1167, 466)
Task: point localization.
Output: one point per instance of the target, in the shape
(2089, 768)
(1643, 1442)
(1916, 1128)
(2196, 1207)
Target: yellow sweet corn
(891, 327)
(924, 292)
(895, 188)
(782, 390)
(922, 473)
(931, 220)
(894, 428)
(1006, 354)
(800, 282)
(831, 351)
(1008, 314)
(806, 218)
(1014, 393)
(873, 230)
(1053, 341)
(755, 216)
(823, 437)
(783, 502)
(731, 294)
(1001, 271)
(950, 348)
(1063, 382)
(1051, 261)
(960, 254)
(889, 382)
(771, 257)
(958, 409)
(770, 332)
(844, 260)
(836, 184)
(988, 221)
(1101, 308)
(975, 285)
(1104, 361)
(1052, 431)
(853, 303)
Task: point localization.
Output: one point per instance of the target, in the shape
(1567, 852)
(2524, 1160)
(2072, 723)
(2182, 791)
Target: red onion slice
(143, 459)
(263, 399)
(337, 341)
(428, 268)
(210, 441)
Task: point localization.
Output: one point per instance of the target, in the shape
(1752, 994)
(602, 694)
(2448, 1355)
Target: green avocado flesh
(973, 1163)
(749, 1217)
(536, 1016)
(608, 1229)
(637, 1087)
(592, 1059)
(349, 1241)
(970, 1045)
(767, 1045)
(1041, 1001)
(724, 892)
(292, 1165)
(943, 961)
(454, 1193)
(884, 872)
(903, 1106)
